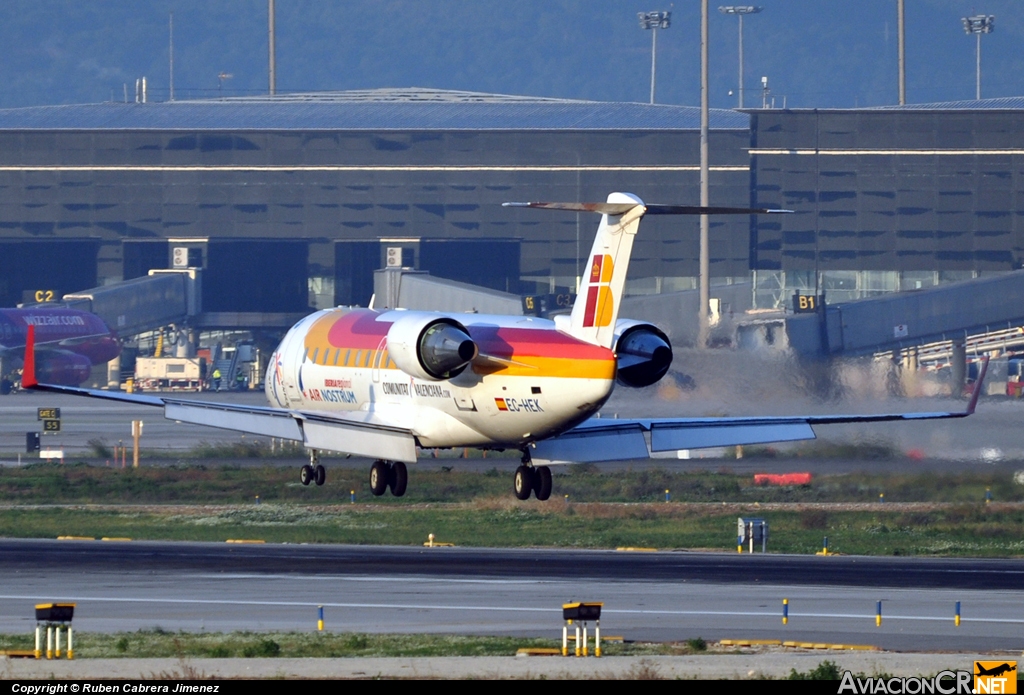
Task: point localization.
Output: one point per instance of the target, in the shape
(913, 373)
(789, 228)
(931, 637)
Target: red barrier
(782, 479)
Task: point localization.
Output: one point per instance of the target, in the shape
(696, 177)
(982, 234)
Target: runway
(646, 596)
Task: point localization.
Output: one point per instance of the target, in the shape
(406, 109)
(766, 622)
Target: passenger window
(348, 355)
(315, 352)
(305, 355)
(359, 355)
(336, 353)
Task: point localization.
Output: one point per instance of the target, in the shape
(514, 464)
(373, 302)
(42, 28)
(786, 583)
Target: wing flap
(589, 445)
(671, 437)
(360, 439)
(254, 421)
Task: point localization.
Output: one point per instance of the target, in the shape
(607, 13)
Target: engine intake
(428, 346)
(644, 353)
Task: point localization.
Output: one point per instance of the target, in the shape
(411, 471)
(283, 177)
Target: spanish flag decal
(500, 402)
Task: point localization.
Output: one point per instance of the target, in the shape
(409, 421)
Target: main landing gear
(313, 472)
(530, 478)
(386, 474)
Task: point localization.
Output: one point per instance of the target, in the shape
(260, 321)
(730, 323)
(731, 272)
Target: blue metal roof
(408, 109)
(1001, 103)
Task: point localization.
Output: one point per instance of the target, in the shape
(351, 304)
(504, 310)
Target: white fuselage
(528, 382)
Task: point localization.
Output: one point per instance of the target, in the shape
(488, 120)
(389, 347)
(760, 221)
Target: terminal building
(289, 203)
(886, 199)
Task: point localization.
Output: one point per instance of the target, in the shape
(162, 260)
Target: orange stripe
(550, 367)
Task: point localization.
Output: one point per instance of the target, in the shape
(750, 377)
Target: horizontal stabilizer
(620, 208)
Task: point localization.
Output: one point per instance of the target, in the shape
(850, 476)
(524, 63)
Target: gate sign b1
(806, 303)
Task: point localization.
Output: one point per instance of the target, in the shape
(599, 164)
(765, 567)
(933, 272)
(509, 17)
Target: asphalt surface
(330, 560)
(646, 596)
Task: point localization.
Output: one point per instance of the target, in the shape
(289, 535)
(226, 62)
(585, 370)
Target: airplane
(995, 670)
(69, 344)
(383, 383)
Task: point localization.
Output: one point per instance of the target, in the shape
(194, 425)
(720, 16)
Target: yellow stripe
(549, 367)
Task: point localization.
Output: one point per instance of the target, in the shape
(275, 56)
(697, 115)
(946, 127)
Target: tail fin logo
(600, 301)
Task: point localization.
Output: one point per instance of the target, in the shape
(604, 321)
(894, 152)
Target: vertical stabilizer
(600, 293)
(28, 370)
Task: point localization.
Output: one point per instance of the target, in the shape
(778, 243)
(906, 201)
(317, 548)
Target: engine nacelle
(644, 353)
(63, 368)
(428, 346)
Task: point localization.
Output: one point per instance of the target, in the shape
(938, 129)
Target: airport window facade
(129, 191)
(886, 199)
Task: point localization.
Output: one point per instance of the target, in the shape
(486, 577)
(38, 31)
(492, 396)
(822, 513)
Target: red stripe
(588, 315)
(526, 342)
(359, 330)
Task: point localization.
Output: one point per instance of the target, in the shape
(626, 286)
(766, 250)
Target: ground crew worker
(216, 380)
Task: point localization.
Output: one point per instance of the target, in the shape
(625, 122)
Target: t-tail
(600, 292)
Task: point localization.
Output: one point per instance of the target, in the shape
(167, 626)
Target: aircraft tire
(542, 482)
(306, 475)
(321, 474)
(522, 484)
(379, 476)
(399, 478)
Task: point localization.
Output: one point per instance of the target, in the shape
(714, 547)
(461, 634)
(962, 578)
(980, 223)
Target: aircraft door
(379, 359)
(291, 356)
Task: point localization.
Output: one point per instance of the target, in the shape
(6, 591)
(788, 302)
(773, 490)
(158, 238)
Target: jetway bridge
(906, 320)
(163, 298)
(940, 324)
(171, 297)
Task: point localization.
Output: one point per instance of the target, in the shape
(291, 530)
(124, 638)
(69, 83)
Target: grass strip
(47, 483)
(994, 530)
(159, 643)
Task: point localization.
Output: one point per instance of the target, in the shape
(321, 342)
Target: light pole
(654, 21)
(978, 25)
(221, 77)
(900, 26)
(703, 318)
(739, 11)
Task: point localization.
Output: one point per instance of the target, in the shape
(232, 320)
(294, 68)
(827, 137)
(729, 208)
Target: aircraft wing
(601, 439)
(357, 433)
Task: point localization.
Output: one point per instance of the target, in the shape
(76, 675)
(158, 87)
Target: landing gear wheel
(542, 482)
(379, 476)
(523, 482)
(321, 474)
(399, 478)
(306, 475)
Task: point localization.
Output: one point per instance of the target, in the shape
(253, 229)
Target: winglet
(979, 383)
(28, 372)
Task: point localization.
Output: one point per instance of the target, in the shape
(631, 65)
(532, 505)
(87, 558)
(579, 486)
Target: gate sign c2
(47, 413)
